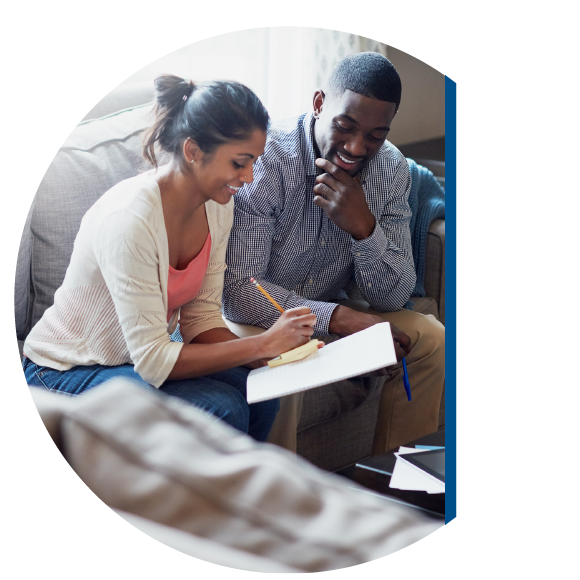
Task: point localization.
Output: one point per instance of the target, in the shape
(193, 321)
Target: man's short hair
(366, 73)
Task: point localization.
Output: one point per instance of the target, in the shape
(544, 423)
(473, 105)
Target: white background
(515, 68)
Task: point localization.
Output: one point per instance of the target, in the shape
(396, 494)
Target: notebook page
(357, 354)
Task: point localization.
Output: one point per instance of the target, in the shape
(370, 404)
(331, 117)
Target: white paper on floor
(410, 477)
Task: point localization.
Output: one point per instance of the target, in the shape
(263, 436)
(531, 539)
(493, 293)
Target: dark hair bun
(171, 90)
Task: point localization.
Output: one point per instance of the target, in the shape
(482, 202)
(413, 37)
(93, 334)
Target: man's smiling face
(350, 128)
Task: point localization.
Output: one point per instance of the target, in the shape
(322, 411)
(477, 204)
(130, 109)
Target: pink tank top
(184, 285)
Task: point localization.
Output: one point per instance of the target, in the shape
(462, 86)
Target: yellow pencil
(253, 280)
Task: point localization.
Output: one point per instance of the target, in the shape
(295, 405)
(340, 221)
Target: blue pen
(406, 380)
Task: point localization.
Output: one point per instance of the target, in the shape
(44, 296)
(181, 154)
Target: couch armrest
(435, 265)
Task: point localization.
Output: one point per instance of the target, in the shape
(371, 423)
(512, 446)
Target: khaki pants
(399, 421)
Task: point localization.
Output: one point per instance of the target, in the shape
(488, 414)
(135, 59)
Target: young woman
(150, 253)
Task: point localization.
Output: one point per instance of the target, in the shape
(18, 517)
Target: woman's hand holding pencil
(293, 328)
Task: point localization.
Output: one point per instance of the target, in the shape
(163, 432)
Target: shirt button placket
(320, 249)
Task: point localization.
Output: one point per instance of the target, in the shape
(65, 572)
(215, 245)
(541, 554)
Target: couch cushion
(204, 549)
(343, 440)
(124, 96)
(97, 155)
(22, 282)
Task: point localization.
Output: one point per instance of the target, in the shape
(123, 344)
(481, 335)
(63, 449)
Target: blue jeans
(222, 394)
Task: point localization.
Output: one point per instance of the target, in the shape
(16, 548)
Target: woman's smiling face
(219, 176)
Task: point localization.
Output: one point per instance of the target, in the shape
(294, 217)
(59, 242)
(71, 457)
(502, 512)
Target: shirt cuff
(323, 311)
(367, 251)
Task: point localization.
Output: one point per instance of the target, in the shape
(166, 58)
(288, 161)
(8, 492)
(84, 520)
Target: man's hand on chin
(343, 199)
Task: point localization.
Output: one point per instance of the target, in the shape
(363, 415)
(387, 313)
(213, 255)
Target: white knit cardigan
(112, 306)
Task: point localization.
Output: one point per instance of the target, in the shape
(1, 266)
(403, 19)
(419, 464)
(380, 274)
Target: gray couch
(337, 422)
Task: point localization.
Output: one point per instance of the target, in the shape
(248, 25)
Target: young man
(329, 203)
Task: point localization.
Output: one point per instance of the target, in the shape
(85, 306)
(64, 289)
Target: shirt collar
(310, 155)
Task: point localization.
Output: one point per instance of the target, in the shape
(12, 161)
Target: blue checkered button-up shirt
(297, 253)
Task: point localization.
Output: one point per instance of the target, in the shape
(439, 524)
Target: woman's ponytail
(171, 93)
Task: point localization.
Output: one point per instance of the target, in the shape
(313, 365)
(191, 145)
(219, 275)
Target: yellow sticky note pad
(295, 354)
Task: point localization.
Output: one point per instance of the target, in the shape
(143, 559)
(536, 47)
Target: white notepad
(357, 354)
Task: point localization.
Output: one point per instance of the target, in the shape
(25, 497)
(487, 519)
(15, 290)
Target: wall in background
(235, 56)
(421, 115)
(282, 65)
